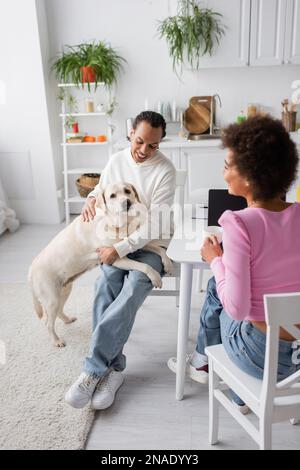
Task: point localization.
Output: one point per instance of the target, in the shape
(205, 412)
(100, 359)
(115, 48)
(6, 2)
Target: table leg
(186, 278)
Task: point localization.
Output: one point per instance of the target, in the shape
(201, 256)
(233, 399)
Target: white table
(184, 248)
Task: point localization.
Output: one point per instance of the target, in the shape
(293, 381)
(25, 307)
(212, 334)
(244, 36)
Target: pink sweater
(261, 256)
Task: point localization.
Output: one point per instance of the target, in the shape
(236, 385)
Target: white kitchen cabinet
(267, 35)
(205, 171)
(233, 50)
(258, 33)
(292, 34)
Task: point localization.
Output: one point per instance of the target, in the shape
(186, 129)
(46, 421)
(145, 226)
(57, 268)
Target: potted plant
(192, 33)
(88, 63)
(72, 109)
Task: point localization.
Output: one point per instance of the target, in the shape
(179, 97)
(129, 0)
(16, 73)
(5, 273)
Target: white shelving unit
(68, 171)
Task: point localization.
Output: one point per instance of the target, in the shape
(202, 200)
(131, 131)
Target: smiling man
(119, 293)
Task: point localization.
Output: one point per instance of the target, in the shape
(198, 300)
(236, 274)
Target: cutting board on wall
(197, 115)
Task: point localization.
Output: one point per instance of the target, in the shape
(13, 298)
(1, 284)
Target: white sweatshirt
(154, 181)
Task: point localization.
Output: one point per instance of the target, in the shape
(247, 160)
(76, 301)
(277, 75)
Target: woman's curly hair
(264, 153)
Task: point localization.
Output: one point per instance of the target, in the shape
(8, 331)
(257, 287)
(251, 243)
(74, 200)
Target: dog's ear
(135, 192)
(101, 202)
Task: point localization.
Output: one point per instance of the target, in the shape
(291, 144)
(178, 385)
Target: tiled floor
(145, 414)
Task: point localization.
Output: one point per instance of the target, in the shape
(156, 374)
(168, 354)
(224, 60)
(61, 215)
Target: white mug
(214, 230)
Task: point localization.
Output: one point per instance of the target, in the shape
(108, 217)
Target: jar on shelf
(89, 105)
(289, 120)
(252, 110)
(100, 108)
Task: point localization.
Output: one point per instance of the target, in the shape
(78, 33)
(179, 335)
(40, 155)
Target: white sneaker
(198, 374)
(105, 391)
(244, 409)
(80, 393)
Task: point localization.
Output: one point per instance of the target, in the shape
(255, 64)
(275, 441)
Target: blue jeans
(244, 344)
(118, 296)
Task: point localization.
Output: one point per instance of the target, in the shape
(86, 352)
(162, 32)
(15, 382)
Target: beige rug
(34, 375)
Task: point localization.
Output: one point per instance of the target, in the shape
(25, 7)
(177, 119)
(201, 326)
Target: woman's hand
(107, 255)
(210, 249)
(89, 210)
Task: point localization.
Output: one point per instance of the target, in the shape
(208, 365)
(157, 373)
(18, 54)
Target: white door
(292, 35)
(267, 32)
(233, 50)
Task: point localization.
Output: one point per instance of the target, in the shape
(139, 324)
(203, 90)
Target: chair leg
(265, 427)
(213, 405)
(199, 281)
(177, 287)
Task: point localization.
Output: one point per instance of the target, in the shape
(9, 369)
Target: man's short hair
(155, 120)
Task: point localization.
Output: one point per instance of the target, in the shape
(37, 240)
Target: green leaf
(106, 62)
(194, 30)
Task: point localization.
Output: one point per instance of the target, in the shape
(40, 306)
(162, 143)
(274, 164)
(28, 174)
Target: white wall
(30, 154)
(51, 94)
(130, 25)
(26, 162)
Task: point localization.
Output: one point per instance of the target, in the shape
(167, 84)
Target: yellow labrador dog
(73, 251)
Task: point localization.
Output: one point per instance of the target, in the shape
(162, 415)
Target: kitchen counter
(174, 141)
(296, 137)
(203, 160)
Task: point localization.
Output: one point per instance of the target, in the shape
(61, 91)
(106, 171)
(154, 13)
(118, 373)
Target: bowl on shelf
(86, 183)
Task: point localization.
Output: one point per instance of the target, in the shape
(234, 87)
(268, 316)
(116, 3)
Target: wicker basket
(86, 183)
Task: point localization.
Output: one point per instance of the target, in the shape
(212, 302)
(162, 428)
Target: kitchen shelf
(79, 171)
(75, 199)
(81, 144)
(82, 114)
(69, 186)
(85, 85)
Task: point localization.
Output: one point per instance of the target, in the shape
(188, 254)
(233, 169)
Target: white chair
(270, 400)
(178, 202)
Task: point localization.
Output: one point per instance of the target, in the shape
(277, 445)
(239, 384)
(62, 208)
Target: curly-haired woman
(261, 251)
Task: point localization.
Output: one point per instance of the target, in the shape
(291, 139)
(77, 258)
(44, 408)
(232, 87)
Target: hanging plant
(191, 34)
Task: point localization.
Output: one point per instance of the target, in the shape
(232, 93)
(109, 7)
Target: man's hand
(210, 249)
(89, 211)
(107, 255)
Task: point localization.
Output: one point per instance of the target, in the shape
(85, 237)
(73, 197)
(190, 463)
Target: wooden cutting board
(197, 115)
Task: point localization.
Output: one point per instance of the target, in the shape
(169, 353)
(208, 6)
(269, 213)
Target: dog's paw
(59, 343)
(70, 320)
(155, 278)
(168, 266)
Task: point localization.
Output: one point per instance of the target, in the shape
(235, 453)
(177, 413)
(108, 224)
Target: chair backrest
(281, 310)
(180, 184)
(178, 208)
